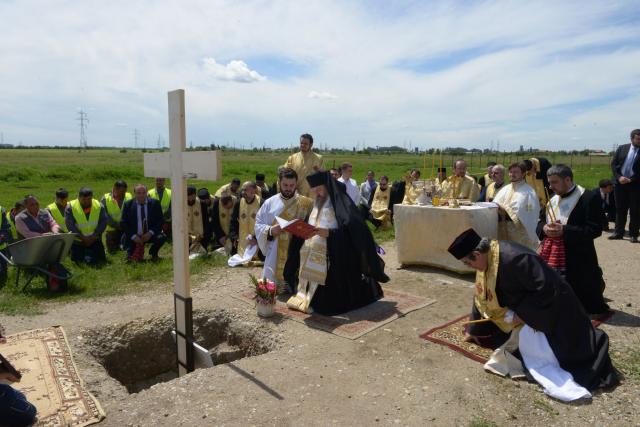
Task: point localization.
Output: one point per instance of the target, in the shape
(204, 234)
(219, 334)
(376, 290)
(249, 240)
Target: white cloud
(520, 68)
(235, 70)
(321, 95)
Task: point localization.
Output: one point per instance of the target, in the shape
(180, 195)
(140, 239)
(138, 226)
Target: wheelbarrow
(36, 255)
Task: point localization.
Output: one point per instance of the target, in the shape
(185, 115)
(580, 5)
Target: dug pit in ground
(141, 353)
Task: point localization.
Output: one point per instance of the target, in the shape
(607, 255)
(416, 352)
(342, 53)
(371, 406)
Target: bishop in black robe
(582, 227)
(354, 270)
(543, 300)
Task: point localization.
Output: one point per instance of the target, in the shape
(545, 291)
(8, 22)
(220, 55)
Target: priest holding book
(336, 269)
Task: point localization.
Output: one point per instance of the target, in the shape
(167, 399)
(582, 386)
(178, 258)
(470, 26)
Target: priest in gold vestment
(518, 209)
(380, 210)
(460, 185)
(304, 163)
(221, 221)
(410, 193)
(537, 178)
(243, 219)
(272, 241)
(195, 227)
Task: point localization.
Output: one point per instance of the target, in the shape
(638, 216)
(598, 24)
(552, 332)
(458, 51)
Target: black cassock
(582, 270)
(354, 268)
(546, 302)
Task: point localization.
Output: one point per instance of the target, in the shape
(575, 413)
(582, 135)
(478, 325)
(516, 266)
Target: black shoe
(634, 240)
(615, 237)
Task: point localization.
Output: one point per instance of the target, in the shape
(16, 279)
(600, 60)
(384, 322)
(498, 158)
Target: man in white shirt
(368, 188)
(352, 186)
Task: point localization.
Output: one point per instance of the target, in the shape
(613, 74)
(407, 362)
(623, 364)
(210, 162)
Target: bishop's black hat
(318, 178)
(443, 170)
(464, 244)
(191, 189)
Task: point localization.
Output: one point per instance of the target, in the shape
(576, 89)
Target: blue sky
(543, 74)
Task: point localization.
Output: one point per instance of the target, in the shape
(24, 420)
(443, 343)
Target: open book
(297, 227)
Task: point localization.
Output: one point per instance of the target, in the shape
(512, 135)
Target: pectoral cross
(179, 165)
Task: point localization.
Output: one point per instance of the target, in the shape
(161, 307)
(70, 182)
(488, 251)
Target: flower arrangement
(266, 290)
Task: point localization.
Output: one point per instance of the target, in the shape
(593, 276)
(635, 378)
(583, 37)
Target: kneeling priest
(518, 293)
(337, 269)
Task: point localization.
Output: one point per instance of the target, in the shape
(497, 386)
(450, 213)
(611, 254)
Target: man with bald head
(460, 185)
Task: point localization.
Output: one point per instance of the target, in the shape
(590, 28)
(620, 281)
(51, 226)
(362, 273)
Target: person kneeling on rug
(337, 269)
(15, 409)
(518, 293)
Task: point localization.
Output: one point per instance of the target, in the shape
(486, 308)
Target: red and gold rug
(451, 334)
(356, 323)
(50, 379)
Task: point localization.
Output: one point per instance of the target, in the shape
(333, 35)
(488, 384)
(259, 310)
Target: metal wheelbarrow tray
(35, 253)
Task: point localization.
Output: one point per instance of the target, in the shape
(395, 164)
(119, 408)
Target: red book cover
(297, 227)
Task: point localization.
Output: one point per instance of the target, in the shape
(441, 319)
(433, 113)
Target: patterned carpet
(451, 334)
(356, 323)
(50, 379)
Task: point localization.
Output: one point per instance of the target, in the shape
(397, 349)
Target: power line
(84, 121)
(136, 135)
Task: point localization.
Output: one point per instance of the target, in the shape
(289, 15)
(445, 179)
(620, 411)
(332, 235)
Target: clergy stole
(491, 192)
(380, 206)
(538, 187)
(485, 299)
(552, 249)
(456, 187)
(313, 258)
(296, 207)
(304, 164)
(523, 213)
(224, 216)
(246, 222)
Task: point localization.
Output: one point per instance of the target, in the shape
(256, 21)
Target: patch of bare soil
(281, 372)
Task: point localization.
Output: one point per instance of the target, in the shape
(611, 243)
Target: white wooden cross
(179, 165)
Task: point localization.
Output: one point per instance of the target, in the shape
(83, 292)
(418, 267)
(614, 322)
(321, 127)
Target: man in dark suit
(605, 190)
(142, 223)
(573, 217)
(625, 166)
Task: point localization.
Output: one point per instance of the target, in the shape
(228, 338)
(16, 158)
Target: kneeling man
(559, 345)
(337, 269)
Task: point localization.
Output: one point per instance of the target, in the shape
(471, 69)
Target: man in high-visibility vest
(5, 237)
(11, 217)
(112, 203)
(86, 217)
(57, 208)
(163, 195)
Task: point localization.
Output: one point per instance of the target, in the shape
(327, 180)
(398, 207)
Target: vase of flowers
(265, 296)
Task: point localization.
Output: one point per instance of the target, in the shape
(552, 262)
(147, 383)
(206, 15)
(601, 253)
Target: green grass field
(42, 171)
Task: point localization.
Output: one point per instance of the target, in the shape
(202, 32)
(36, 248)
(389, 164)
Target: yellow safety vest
(58, 216)
(166, 198)
(113, 210)
(84, 225)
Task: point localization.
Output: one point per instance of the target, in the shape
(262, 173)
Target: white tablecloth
(423, 233)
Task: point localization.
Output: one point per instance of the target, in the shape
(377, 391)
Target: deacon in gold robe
(410, 193)
(243, 219)
(497, 174)
(380, 210)
(304, 163)
(537, 178)
(221, 221)
(233, 188)
(195, 228)
(519, 209)
(272, 241)
(460, 185)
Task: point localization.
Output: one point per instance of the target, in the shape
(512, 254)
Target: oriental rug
(356, 323)
(50, 378)
(451, 335)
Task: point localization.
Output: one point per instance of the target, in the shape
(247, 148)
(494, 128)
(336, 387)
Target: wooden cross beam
(179, 165)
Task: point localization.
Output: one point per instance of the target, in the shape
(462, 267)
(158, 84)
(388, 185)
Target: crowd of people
(542, 266)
